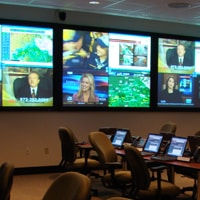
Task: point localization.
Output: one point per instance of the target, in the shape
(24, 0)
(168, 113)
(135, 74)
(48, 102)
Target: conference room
(38, 148)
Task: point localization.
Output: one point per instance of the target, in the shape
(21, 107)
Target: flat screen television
(26, 71)
(178, 73)
(105, 69)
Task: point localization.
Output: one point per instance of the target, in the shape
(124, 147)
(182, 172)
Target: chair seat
(80, 163)
(121, 178)
(168, 191)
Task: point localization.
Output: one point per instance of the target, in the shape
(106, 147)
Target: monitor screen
(106, 69)
(177, 146)
(178, 73)
(26, 66)
(153, 143)
(119, 138)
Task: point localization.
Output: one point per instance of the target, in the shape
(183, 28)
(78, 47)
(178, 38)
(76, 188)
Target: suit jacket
(187, 61)
(24, 92)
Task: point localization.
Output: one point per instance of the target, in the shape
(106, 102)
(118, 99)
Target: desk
(86, 147)
(189, 165)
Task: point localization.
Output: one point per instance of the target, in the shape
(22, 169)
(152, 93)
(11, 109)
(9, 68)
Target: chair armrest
(114, 165)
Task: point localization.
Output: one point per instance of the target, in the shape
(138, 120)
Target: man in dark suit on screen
(180, 57)
(33, 88)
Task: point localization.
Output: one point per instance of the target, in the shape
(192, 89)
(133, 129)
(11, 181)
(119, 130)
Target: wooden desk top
(191, 165)
(84, 145)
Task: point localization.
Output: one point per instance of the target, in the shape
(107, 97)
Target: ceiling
(145, 9)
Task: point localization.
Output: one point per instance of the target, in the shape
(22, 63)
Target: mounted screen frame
(27, 57)
(118, 85)
(178, 83)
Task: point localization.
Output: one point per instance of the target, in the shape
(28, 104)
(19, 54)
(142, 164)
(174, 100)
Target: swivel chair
(189, 173)
(70, 160)
(168, 127)
(70, 186)
(6, 180)
(115, 176)
(168, 130)
(143, 188)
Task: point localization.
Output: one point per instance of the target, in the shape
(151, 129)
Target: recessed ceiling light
(94, 2)
(179, 5)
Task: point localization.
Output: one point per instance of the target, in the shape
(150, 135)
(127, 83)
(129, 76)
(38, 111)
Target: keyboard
(145, 153)
(163, 158)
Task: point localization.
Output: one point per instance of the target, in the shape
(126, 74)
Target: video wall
(106, 69)
(68, 67)
(26, 71)
(178, 73)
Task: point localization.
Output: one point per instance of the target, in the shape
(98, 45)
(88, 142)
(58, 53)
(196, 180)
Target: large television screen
(178, 73)
(26, 71)
(106, 69)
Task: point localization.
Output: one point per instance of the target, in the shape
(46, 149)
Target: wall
(26, 136)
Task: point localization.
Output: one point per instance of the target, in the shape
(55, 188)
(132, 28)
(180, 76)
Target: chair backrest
(139, 170)
(103, 146)
(197, 133)
(168, 127)
(70, 186)
(68, 146)
(6, 180)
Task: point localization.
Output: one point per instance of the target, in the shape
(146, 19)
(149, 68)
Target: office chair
(143, 188)
(70, 186)
(189, 174)
(116, 176)
(6, 180)
(168, 127)
(70, 160)
(168, 130)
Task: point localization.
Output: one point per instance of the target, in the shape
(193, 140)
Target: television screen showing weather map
(106, 69)
(26, 66)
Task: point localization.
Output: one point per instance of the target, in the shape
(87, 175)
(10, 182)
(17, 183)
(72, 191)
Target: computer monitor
(119, 138)
(177, 146)
(153, 143)
(26, 60)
